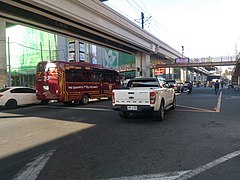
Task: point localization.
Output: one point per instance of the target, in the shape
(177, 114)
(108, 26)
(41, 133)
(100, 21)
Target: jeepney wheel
(44, 102)
(123, 114)
(160, 114)
(173, 103)
(85, 99)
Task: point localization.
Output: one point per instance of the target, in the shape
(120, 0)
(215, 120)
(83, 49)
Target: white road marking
(181, 175)
(34, 168)
(218, 108)
(209, 165)
(194, 108)
(160, 176)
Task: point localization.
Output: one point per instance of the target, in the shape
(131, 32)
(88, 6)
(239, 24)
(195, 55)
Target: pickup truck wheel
(173, 104)
(44, 102)
(159, 115)
(123, 114)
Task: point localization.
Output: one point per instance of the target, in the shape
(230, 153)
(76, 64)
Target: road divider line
(32, 169)
(209, 165)
(160, 176)
(194, 108)
(181, 175)
(218, 108)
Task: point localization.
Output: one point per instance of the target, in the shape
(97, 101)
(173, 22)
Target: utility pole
(143, 20)
(182, 51)
(142, 17)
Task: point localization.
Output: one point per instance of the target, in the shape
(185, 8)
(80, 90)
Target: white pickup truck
(143, 95)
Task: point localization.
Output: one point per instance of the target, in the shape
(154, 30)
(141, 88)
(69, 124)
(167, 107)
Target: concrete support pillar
(201, 77)
(183, 72)
(169, 73)
(3, 57)
(142, 65)
(172, 73)
(198, 77)
(191, 76)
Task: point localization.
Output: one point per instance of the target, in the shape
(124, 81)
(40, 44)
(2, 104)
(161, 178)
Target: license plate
(131, 107)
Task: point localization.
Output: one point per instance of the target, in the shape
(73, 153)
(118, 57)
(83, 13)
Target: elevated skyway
(190, 64)
(90, 21)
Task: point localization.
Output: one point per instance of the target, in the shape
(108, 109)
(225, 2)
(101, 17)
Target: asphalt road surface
(200, 139)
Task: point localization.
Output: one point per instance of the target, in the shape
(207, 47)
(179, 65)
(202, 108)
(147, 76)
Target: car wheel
(123, 114)
(85, 99)
(173, 103)
(11, 104)
(159, 115)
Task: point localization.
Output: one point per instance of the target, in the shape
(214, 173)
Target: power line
(161, 27)
(123, 13)
(142, 9)
(156, 25)
(133, 7)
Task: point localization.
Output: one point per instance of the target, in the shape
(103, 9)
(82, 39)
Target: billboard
(182, 60)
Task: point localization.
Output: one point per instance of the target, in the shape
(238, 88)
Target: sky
(204, 27)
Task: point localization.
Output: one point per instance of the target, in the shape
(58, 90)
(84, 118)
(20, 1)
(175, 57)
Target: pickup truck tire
(123, 114)
(173, 103)
(159, 115)
(44, 102)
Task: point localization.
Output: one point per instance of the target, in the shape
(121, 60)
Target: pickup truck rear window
(143, 84)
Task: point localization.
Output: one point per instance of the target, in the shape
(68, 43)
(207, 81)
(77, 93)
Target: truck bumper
(139, 108)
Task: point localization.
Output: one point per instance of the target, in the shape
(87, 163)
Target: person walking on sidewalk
(216, 87)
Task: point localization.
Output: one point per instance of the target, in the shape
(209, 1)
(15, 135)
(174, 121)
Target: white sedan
(11, 97)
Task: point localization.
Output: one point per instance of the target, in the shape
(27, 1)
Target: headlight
(46, 88)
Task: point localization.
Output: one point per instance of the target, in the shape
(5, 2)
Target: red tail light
(152, 97)
(1, 95)
(113, 97)
(37, 88)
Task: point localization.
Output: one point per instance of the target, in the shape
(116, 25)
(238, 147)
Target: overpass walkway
(202, 64)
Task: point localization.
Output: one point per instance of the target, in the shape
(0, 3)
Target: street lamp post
(182, 51)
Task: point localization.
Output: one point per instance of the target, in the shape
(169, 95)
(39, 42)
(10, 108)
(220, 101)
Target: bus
(74, 82)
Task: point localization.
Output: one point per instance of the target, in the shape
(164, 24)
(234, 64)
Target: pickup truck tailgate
(128, 97)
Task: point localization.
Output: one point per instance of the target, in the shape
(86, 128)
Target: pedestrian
(189, 88)
(216, 87)
(222, 84)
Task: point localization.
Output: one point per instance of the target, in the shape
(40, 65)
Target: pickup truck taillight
(1, 95)
(152, 97)
(113, 98)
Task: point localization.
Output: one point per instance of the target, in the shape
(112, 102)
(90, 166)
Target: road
(200, 139)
